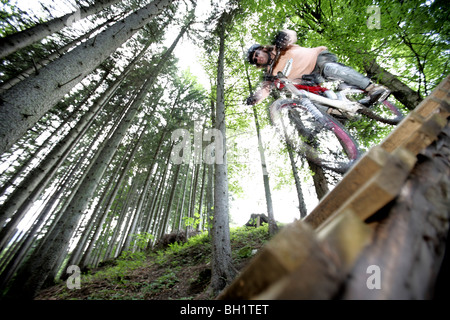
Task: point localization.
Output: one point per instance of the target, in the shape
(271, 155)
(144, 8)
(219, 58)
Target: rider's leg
(328, 66)
(338, 71)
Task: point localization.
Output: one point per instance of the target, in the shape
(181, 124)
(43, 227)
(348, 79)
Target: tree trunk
(126, 214)
(164, 214)
(52, 56)
(222, 268)
(74, 259)
(19, 40)
(25, 246)
(32, 158)
(42, 262)
(298, 185)
(34, 183)
(320, 181)
(58, 154)
(201, 222)
(400, 91)
(172, 194)
(25, 103)
(272, 223)
(193, 198)
(181, 195)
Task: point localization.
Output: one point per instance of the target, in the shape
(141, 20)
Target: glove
(281, 40)
(251, 100)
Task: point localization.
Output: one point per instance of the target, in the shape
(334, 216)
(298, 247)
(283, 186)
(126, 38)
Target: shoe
(377, 93)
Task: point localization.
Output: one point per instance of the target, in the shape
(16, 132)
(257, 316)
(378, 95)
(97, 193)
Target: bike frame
(338, 101)
(312, 93)
(313, 99)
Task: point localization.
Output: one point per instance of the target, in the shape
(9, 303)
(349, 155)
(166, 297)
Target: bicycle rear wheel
(385, 112)
(326, 143)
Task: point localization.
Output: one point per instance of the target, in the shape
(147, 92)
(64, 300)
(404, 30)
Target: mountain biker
(317, 61)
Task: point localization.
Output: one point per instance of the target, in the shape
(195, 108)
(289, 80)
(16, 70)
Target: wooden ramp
(379, 234)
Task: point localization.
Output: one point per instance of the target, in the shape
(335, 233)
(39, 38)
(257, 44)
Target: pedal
(376, 95)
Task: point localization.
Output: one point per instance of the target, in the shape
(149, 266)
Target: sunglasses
(256, 55)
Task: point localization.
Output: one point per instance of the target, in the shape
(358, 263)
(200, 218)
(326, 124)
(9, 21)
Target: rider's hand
(281, 40)
(251, 100)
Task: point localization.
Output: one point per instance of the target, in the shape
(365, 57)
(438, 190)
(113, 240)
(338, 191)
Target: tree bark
(201, 214)
(269, 204)
(57, 155)
(34, 183)
(273, 228)
(222, 268)
(19, 40)
(400, 91)
(320, 181)
(9, 83)
(171, 196)
(298, 185)
(25, 103)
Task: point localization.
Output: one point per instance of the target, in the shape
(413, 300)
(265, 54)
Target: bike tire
(327, 143)
(370, 113)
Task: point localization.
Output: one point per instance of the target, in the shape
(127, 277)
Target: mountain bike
(311, 118)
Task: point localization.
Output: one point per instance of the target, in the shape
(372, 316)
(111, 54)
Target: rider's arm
(261, 94)
(285, 38)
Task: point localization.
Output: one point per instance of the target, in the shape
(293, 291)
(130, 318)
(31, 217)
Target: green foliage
(127, 262)
(245, 252)
(13, 19)
(246, 240)
(176, 249)
(141, 240)
(192, 221)
(166, 281)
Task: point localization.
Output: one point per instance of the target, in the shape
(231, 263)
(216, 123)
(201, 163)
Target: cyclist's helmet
(251, 51)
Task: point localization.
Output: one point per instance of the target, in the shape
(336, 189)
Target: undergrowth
(180, 271)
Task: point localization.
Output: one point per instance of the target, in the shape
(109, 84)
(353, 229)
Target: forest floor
(177, 272)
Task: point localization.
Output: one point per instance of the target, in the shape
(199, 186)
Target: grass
(179, 272)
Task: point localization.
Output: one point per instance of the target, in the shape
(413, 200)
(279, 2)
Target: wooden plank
(409, 243)
(440, 97)
(436, 103)
(433, 105)
(415, 132)
(294, 244)
(412, 122)
(366, 167)
(380, 189)
(321, 275)
(425, 134)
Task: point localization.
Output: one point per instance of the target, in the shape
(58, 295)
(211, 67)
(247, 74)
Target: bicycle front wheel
(326, 142)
